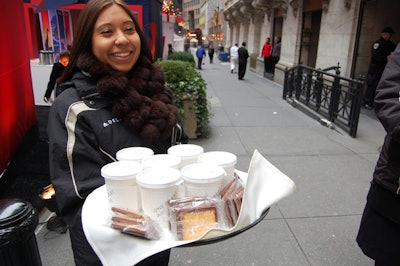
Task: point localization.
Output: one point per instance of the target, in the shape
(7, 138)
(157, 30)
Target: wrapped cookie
(192, 217)
(136, 224)
(232, 195)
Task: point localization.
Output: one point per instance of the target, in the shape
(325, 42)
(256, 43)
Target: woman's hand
(48, 100)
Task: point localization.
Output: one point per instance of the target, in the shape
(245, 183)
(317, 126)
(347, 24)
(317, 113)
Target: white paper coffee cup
(202, 180)
(162, 161)
(224, 159)
(134, 154)
(157, 186)
(188, 153)
(120, 180)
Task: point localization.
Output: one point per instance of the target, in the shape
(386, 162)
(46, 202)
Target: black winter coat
(387, 109)
(84, 135)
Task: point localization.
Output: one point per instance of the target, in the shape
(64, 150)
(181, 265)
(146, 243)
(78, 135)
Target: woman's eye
(106, 31)
(129, 29)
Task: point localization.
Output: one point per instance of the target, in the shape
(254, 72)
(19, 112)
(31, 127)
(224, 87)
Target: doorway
(278, 25)
(373, 17)
(310, 38)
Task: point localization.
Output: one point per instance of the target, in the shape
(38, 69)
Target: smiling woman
(111, 77)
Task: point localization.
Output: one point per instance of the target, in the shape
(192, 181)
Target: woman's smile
(121, 56)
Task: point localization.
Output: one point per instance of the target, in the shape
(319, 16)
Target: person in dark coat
(276, 53)
(243, 55)
(211, 53)
(379, 232)
(170, 49)
(381, 49)
(56, 72)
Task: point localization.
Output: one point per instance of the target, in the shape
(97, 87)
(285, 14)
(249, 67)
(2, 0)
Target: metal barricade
(335, 98)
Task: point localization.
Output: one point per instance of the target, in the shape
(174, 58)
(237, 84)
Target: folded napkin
(265, 186)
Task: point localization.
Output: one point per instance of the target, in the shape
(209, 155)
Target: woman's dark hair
(139, 97)
(65, 53)
(83, 39)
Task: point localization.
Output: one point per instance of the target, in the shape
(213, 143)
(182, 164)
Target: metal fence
(335, 98)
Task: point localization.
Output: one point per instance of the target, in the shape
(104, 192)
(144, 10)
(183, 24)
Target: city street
(317, 225)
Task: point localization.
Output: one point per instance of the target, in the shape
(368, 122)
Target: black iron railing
(336, 98)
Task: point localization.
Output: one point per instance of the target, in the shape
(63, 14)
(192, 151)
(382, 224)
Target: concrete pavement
(317, 225)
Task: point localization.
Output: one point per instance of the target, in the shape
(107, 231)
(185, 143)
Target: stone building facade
(316, 33)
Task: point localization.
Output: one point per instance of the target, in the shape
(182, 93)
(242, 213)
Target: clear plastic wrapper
(189, 217)
(192, 217)
(232, 195)
(136, 224)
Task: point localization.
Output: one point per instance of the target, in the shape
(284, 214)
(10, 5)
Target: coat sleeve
(75, 159)
(387, 99)
(54, 75)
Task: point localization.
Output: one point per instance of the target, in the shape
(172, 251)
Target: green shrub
(182, 56)
(187, 84)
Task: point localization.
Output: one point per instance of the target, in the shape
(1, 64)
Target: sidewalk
(318, 224)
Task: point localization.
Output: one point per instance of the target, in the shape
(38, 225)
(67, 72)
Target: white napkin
(265, 185)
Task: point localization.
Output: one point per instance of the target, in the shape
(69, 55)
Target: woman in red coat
(266, 53)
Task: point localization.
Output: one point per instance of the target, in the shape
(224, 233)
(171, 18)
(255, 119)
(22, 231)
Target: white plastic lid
(121, 170)
(134, 153)
(162, 160)
(203, 173)
(186, 150)
(158, 177)
(221, 158)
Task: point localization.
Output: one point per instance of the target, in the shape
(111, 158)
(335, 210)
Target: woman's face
(115, 40)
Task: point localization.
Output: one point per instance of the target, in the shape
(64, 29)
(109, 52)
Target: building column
(291, 37)
(247, 13)
(237, 19)
(229, 36)
(256, 42)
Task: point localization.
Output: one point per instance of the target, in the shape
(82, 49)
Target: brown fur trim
(140, 97)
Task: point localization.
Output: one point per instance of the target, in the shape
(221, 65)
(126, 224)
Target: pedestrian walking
(200, 54)
(381, 49)
(243, 55)
(266, 54)
(211, 53)
(111, 85)
(233, 56)
(379, 232)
